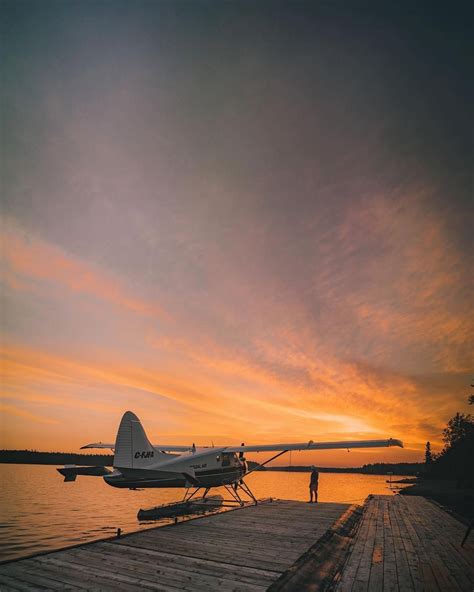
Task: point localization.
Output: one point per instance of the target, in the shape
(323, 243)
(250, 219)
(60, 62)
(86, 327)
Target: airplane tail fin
(133, 450)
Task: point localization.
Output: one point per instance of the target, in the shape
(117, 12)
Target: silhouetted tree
(428, 456)
(455, 460)
(459, 427)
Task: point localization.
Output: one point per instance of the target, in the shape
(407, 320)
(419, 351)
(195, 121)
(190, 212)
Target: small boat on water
(195, 506)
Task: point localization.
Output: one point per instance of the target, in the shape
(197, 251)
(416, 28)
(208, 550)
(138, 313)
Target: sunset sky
(245, 224)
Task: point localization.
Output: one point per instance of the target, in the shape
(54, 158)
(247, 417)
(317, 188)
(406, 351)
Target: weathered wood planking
(242, 550)
(401, 543)
(407, 543)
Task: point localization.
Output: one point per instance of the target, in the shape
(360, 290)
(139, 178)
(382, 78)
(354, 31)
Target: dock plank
(169, 561)
(390, 576)
(182, 579)
(32, 576)
(406, 579)
(376, 577)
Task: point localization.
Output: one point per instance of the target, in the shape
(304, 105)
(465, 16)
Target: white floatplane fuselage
(205, 468)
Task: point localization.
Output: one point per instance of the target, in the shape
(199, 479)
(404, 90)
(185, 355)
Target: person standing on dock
(313, 485)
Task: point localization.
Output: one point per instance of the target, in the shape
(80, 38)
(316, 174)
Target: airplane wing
(166, 448)
(276, 447)
(317, 445)
(163, 447)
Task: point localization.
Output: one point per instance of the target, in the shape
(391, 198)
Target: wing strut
(266, 462)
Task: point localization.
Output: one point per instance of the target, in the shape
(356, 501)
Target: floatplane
(139, 464)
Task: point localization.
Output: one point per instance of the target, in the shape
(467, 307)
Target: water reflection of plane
(140, 464)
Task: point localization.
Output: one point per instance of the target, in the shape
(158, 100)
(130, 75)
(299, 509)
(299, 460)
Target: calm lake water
(39, 512)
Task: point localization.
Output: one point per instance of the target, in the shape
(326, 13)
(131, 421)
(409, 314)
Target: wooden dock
(392, 543)
(407, 543)
(242, 550)
(397, 544)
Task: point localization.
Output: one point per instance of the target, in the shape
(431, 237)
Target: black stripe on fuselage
(217, 472)
(211, 478)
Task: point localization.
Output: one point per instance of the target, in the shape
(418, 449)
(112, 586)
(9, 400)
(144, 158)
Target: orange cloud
(28, 258)
(190, 382)
(226, 403)
(415, 291)
(17, 412)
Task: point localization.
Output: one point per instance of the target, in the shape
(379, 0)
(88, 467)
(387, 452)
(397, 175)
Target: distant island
(33, 457)
(372, 469)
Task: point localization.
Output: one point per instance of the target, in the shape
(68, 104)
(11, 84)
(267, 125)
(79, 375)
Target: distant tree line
(370, 469)
(55, 458)
(455, 461)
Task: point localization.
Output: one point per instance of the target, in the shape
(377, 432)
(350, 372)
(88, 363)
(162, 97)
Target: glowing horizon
(236, 245)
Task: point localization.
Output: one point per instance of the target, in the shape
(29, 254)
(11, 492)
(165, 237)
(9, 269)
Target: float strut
(188, 497)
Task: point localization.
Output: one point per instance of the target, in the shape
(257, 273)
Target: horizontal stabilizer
(99, 445)
(70, 472)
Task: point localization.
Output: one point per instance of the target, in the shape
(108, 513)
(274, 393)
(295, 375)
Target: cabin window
(225, 459)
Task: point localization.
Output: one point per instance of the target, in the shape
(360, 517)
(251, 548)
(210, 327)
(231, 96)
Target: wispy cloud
(30, 262)
(26, 415)
(337, 350)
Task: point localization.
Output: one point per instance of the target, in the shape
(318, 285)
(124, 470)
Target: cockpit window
(225, 459)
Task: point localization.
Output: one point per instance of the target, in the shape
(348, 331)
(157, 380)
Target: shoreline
(456, 501)
(109, 463)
